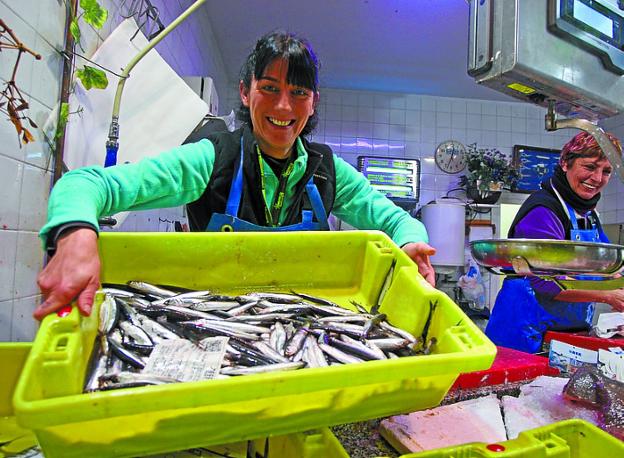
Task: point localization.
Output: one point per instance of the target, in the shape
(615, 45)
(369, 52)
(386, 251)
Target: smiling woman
(564, 209)
(265, 176)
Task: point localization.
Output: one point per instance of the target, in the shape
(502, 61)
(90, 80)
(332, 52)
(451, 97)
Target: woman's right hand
(615, 298)
(73, 273)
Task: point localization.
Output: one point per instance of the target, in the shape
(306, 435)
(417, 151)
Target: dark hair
(303, 67)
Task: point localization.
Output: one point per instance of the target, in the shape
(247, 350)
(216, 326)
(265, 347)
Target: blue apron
(229, 222)
(519, 320)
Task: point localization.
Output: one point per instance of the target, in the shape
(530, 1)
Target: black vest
(227, 158)
(542, 198)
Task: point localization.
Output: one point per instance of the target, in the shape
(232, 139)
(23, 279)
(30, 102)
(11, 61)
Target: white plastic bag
(472, 285)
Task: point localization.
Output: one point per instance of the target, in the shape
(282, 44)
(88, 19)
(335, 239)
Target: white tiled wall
(357, 123)
(25, 172)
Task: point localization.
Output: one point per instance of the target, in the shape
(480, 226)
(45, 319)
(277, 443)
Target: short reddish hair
(584, 145)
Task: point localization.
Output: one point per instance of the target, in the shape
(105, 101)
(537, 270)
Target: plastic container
(342, 266)
(319, 443)
(13, 439)
(583, 340)
(13, 356)
(564, 439)
(445, 221)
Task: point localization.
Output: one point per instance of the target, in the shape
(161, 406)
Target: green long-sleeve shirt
(180, 176)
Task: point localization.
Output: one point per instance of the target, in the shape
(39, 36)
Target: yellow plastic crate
(342, 266)
(13, 439)
(320, 443)
(564, 439)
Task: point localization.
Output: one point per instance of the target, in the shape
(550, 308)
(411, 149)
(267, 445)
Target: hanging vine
(95, 15)
(12, 102)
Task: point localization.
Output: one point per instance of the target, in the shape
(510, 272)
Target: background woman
(564, 209)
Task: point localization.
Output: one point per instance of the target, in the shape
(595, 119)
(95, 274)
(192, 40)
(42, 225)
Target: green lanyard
(272, 213)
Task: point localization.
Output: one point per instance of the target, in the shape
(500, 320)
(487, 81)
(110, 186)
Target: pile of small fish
(266, 331)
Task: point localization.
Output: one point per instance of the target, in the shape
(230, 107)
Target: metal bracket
(610, 150)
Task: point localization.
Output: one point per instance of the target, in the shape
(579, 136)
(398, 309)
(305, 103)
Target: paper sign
(611, 364)
(184, 361)
(567, 358)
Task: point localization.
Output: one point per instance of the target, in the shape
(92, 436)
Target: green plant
(487, 166)
(94, 15)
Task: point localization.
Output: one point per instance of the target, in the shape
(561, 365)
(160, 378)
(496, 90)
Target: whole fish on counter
(259, 332)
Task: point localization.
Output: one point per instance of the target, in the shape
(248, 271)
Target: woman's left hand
(420, 252)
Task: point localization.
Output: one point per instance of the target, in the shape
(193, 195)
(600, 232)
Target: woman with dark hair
(564, 209)
(263, 176)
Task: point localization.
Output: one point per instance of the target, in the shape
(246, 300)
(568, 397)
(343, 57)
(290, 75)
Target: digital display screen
(393, 177)
(593, 18)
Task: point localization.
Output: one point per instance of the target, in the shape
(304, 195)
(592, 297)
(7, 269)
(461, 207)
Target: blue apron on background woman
(519, 320)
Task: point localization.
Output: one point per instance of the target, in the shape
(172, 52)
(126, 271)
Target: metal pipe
(112, 145)
(610, 150)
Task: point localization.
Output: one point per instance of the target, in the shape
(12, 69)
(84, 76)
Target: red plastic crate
(581, 339)
(509, 366)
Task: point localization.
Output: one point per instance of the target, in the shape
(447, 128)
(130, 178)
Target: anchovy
(242, 308)
(278, 298)
(136, 333)
(373, 350)
(160, 330)
(353, 348)
(132, 379)
(313, 355)
(296, 342)
(153, 290)
(263, 318)
(262, 369)
(117, 292)
(277, 337)
(374, 321)
(209, 306)
(389, 343)
(123, 353)
(270, 352)
(398, 331)
(184, 298)
(211, 328)
(98, 368)
(339, 355)
(316, 299)
(109, 314)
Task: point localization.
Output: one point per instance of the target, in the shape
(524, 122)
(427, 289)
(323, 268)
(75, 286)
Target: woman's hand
(420, 252)
(615, 298)
(72, 273)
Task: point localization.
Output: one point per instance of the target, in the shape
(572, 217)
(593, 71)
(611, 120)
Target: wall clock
(451, 157)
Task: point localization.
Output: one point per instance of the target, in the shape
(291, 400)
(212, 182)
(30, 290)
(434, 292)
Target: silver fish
(262, 369)
(109, 314)
(148, 288)
(339, 355)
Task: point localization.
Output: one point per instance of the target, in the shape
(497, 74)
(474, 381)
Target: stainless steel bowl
(535, 256)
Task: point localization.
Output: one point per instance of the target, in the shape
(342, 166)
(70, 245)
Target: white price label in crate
(185, 361)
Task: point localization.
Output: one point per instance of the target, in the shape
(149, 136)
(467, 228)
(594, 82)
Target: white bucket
(445, 222)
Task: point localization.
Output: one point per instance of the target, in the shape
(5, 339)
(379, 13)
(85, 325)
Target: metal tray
(547, 257)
